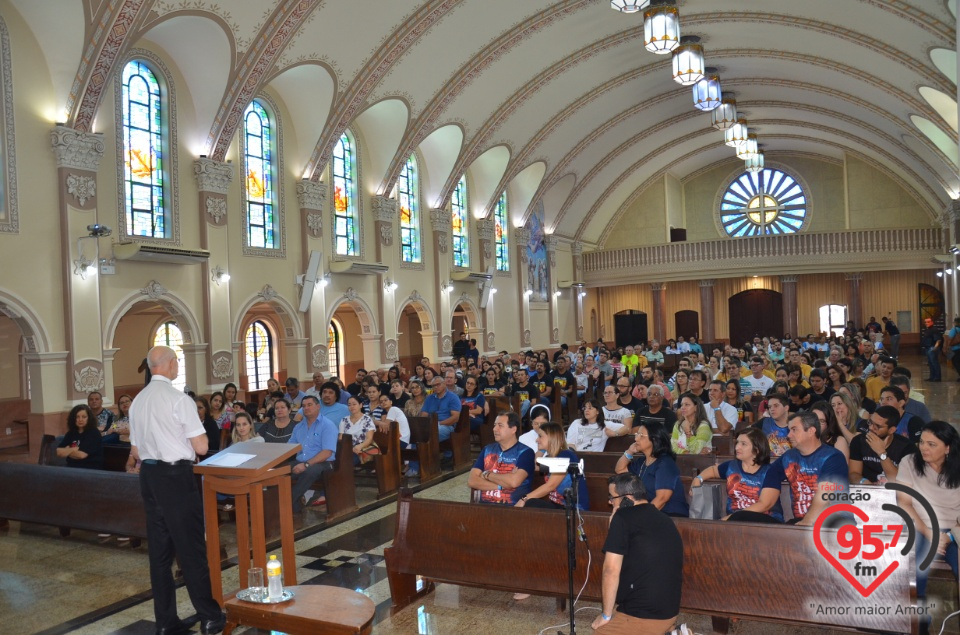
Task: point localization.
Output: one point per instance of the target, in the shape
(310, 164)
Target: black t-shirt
(824, 396)
(400, 401)
(891, 328)
(530, 390)
(860, 450)
(651, 577)
(667, 416)
(355, 388)
(88, 441)
(635, 405)
(566, 380)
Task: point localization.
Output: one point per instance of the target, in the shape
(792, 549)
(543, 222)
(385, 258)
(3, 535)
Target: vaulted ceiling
(557, 101)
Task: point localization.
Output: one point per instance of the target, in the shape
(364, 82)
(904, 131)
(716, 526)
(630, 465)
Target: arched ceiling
(556, 99)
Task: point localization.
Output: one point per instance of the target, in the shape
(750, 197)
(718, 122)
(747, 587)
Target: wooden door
(687, 323)
(753, 313)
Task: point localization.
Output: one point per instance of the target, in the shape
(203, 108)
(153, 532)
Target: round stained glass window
(766, 202)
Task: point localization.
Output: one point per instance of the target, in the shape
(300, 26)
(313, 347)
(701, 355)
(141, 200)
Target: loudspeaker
(630, 328)
(678, 235)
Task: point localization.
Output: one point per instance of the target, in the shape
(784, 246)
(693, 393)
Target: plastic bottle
(274, 580)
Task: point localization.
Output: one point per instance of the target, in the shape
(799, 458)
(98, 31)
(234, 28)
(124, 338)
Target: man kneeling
(643, 566)
(502, 471)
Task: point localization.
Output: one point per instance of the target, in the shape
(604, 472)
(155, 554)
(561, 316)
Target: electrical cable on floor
(946, 619)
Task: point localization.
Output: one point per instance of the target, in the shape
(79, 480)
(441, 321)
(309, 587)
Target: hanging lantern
(724, 115)
(748, 148)
(706, 92)
(629, 6)
(736, 134)
(661, 27)
(755, 163)
(688, 61)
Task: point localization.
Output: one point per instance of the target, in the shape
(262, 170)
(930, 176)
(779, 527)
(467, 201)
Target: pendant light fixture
(748, 149)
(661, 27)
(724, 115)
(688, 61)
(755, 163)
(736, 134)
(706, 92)
(629, 6)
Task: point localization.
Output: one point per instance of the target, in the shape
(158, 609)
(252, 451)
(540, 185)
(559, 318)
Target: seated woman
(934, 472)
(550, 495)
(230, 397)
(209, 426)
(848, 416)
(418, 394)
(280, 428)
(474, 398)
(733, 397)
(829, 428)
(655, 464)
(360, 427)
(856, 389)
(583, 379)
(539, 415)
(243, 429)
(122, 423)
(744, 476)
(681, 384)
(692, 434)
(219, 410)
(587, 434)
(82, 445)
(836, 377)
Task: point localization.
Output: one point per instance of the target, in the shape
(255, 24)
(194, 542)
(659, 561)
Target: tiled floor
(53, 585)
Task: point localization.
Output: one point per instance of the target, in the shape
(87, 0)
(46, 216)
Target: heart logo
(817, 527)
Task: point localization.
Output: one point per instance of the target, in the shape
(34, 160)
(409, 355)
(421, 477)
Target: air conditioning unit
(158, 253)
(471, 276)
(359, 268)
(566, 284)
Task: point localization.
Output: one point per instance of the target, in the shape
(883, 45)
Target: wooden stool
(313, 609)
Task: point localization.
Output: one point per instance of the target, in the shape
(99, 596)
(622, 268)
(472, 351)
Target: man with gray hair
(656, 409)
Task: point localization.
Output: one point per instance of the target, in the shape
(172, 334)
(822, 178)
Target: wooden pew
(115, 457)
(689, 464)
(497, 404)
(723, 444)
(423, 433)
(619, 444)
(339, 484)
(459, 442)
(442, 541)
(388, 464)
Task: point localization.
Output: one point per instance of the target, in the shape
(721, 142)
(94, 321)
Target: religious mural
(538, 267)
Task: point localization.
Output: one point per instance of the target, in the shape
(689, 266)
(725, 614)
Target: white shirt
(529, 439)
(729, 413)
(614, 419)
(395, 414)
(162, 422)
(683, 347)
(761, 384)
(586, 437)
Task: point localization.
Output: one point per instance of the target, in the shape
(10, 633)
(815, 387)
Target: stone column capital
(522, 236)
(441, 221)
(385, 209)
(853, 276)
(789, 279)
(213, 176)
(77, 150)
(551, 242)
(486, 229)
(576, 248)
(658, 286)
(707, 283)
(311, 194)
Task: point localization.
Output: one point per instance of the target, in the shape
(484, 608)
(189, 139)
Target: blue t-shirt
(776, 436)
(826, 464)
(336, 412)
(320, 436)
(443, 406)
(663, 474)
(476, 401)
(495, 459)
(743, 489)
(557, 496)
(953, 333)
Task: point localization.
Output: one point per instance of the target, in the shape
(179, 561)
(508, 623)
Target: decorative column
(442, 227)
(854, 298)
(788, 287)
(576, 251)
(551, 244)
(521, 237)
(486, 232)
(707, 319)
(385, 217)
(213, 181)
(659, 312)
(311, 196)
(78, 156)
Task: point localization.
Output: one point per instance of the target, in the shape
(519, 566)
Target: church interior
(285, 187)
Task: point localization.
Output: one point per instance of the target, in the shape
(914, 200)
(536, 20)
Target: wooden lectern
(245, 482)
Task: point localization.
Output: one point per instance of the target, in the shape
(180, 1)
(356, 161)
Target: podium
(245, 482)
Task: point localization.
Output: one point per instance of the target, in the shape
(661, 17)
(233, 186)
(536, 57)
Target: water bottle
(274, 581)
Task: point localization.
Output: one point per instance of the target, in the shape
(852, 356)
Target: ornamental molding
(526, 337)
(446, 345)
(551, 242)
(311, 194)
(853, 276)
(221, 365)
(555, 335)
(415, 297)
(491, 342)
(351, 295)
(386, 234)
(789, 279)
(580, 332)
(11, 223)
(82, 188)
(88, 378)
(320, 358)
(315, 224)
(486, 229)
(154, 290)
(442, 242)
(576, 248)
(708, 283)
(657, 286)
(77, 150)
(390, 350)
(384, 209)
(268, 293)
(522, 236)
(9, 312)
(213, 176)
(216, 208)
(441, 221)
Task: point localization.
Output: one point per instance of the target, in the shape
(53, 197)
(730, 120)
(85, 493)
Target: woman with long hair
(122, 422)
(209, 425)
(280, 428)
(218, 409)
(82, 445)
(229, 396)
(418, 394)
(733, 397)
(244, 430)
(587, 434)
(550, 495)
(830, 433)
(848, 415)
(654, 463)
(428, 375)
(360, 427)
(713, 368)
(744, 476)
(681, 384)
(418, 373)
(473, 398)
(692, 434)
(836, 377)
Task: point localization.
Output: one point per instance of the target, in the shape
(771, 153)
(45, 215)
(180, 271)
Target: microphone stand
(570, 499)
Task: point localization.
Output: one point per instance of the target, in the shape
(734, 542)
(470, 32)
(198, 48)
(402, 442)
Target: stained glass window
(169, 334)
(500, 233)
(407, 190)
(259, 355)
(765, 202)
(345, 197)
(143, 152)
(333, 348)
(258, 168)
(461, 240)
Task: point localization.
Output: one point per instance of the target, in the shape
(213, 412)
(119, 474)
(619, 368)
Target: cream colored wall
(876, 201)
(10, 337)
(644, 223)
(134, 338)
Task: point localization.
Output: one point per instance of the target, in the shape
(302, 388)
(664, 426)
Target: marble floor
(81, 584)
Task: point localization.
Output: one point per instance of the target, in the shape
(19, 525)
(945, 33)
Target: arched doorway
(24, 337)
(687, 324)
(142, 326)
(755, 313)
(629, 327)
(262, 353)
(466, 318)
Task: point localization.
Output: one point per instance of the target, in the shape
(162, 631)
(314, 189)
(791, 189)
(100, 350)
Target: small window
(258, 168)
(345, 197)
(170, 335)
(407, 190)
(500, 233)
(833, 319)
(334, 346)
(143, 152)
(461, 238)
(259, 354)
(761, 203)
